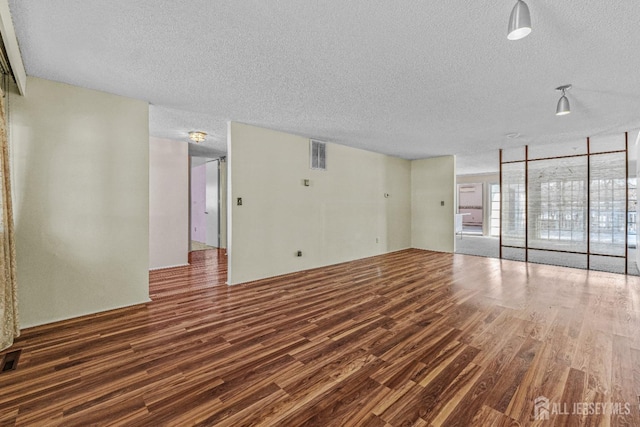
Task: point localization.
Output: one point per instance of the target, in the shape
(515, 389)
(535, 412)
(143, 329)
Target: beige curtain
(9, 324)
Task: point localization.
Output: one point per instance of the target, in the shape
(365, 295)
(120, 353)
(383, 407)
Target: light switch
(239, 201)
(442, 203)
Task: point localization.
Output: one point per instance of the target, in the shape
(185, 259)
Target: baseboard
(169, 266)
(80, 315)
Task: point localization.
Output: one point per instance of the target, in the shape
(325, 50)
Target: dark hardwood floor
(409, 338)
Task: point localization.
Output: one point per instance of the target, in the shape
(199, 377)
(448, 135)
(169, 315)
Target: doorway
(204, 228)
(470, 207)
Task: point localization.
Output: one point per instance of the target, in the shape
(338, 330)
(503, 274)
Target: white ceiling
(408, 78)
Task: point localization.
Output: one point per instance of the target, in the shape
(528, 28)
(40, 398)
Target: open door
(204, 203)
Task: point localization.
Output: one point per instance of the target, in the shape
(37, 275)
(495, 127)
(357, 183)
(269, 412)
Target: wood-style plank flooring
(409, 338)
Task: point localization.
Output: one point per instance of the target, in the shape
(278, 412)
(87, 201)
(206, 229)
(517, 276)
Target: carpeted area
(199, 246)
(490, 247)
(478, 245)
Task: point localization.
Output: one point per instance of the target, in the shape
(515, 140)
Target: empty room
(296, 213)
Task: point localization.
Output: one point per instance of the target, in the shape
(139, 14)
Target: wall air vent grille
(318, 152)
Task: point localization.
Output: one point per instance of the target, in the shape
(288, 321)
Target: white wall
(432, 225)
(487, 178)
(337, 218)
(473, 197)
(80, 163)
(168, 203)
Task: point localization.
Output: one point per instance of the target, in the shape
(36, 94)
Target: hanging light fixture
(197, 136)
(519, 21)
(563, 103)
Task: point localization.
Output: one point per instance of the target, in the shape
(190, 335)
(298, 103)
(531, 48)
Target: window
(513, 204)
(558, 204)
(318, 150)
(495, 209)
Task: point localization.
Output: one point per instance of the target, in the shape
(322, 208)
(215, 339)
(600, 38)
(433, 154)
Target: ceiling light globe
(518, 34)
(197, 136)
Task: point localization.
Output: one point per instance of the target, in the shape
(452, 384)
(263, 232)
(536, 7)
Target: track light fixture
(519, 21)
(563, 103)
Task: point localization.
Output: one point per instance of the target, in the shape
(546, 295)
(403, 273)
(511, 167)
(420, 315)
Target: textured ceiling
(413, 79)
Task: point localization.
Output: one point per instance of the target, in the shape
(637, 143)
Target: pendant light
(563, 103)
(519, 21)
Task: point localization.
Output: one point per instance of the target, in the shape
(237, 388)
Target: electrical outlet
(299, 253)
(377, 240)
(442, 203)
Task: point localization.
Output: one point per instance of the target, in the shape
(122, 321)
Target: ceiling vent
(318, 152)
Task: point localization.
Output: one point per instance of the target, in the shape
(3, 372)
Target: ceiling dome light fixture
(563, 103)
(197, 136)
(519, 21)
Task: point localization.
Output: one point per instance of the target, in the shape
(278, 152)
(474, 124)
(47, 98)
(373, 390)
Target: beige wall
(433, 181)
(80, 163)
(168, 203)
(337, 218)
(223, 204)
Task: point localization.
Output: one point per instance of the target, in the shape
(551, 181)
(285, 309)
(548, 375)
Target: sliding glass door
(567, 205)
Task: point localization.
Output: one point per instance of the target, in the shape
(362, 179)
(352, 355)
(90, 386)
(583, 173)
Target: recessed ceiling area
(412, 79)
